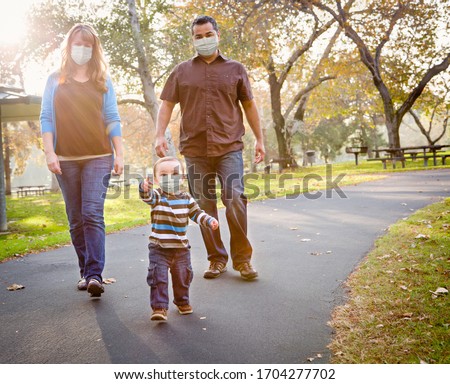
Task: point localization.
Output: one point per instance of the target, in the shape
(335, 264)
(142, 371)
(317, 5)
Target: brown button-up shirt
(209, 95)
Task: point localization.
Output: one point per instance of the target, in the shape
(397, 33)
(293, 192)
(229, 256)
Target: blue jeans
(229, 168)
(83, 184)
(178, 260)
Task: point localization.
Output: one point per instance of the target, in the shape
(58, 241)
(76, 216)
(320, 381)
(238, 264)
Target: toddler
(169, 247)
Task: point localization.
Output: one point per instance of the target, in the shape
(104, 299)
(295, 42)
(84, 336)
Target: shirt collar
(221, 55)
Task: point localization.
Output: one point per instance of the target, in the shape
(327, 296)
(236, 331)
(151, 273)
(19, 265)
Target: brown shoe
(216, 268)
(247, 271)
(159, 314)
(82, 284)
(185, 309)
(95, 288)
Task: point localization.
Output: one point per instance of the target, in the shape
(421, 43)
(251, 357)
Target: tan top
(80, 128)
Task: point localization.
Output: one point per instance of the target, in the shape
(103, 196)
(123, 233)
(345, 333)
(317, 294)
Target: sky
(12, 19)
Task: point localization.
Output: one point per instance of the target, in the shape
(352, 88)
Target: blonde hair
(165, 159)
(97, 64)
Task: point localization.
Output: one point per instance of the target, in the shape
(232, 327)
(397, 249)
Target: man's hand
(260, 152)
(161, 146)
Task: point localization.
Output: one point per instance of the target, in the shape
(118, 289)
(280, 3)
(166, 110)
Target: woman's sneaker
(95, 288)
(185, 309)
(159, 314)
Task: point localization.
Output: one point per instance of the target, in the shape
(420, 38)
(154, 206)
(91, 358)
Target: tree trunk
(148, 87)
(3, 219)
(284, 156)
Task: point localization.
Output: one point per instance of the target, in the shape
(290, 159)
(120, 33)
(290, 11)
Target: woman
(80, 129)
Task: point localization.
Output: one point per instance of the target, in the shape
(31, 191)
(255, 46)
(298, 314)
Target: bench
(425, 159)
(394, 160)
(31, 190)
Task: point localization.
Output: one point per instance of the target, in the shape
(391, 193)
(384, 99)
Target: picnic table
(401, 154)
(33, 190)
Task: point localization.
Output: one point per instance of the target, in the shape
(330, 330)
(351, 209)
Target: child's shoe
(159, 314)
(185, 309)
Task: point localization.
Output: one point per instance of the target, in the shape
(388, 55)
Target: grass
(391, 315)
(39, 223)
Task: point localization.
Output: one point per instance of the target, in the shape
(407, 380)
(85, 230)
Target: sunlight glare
(12, 20)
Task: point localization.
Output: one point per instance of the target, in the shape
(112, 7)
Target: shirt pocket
(228, 84)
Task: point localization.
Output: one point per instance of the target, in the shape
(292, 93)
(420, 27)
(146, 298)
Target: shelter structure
(15, 105)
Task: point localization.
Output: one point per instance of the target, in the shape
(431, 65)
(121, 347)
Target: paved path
(280, 318)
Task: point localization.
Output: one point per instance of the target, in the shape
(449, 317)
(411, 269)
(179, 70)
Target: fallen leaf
(293, 228)
(109, 280)
(405, 288)
(422, 236)
(319, 355)
(379, 326)
(310, 359)
(15, 287)
(439, 292)
(407, 315)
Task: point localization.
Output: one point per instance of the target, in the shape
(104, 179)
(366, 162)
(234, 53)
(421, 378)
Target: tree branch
(304, 92)
(417, 91)
(398, 14)
(133, 101)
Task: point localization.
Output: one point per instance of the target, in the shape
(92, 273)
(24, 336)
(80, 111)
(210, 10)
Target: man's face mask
(81, 54)
(171, 183)
(206, 46)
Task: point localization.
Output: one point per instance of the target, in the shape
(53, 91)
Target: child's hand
(147, 185)
(214, 224)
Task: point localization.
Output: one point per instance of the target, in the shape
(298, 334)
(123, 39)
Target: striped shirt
(170, 216)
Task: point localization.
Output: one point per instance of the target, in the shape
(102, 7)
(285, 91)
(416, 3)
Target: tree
(134, 56)
(435, 106)
(267, 35)
(398, 43)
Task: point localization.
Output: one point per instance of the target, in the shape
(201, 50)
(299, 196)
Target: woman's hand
(118, 165)
(53, 163)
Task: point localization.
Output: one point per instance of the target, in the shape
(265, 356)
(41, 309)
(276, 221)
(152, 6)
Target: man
(209, 88)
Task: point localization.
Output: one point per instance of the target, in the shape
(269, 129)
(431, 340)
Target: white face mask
(81, 54)
(171, 183)
(206, 46)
